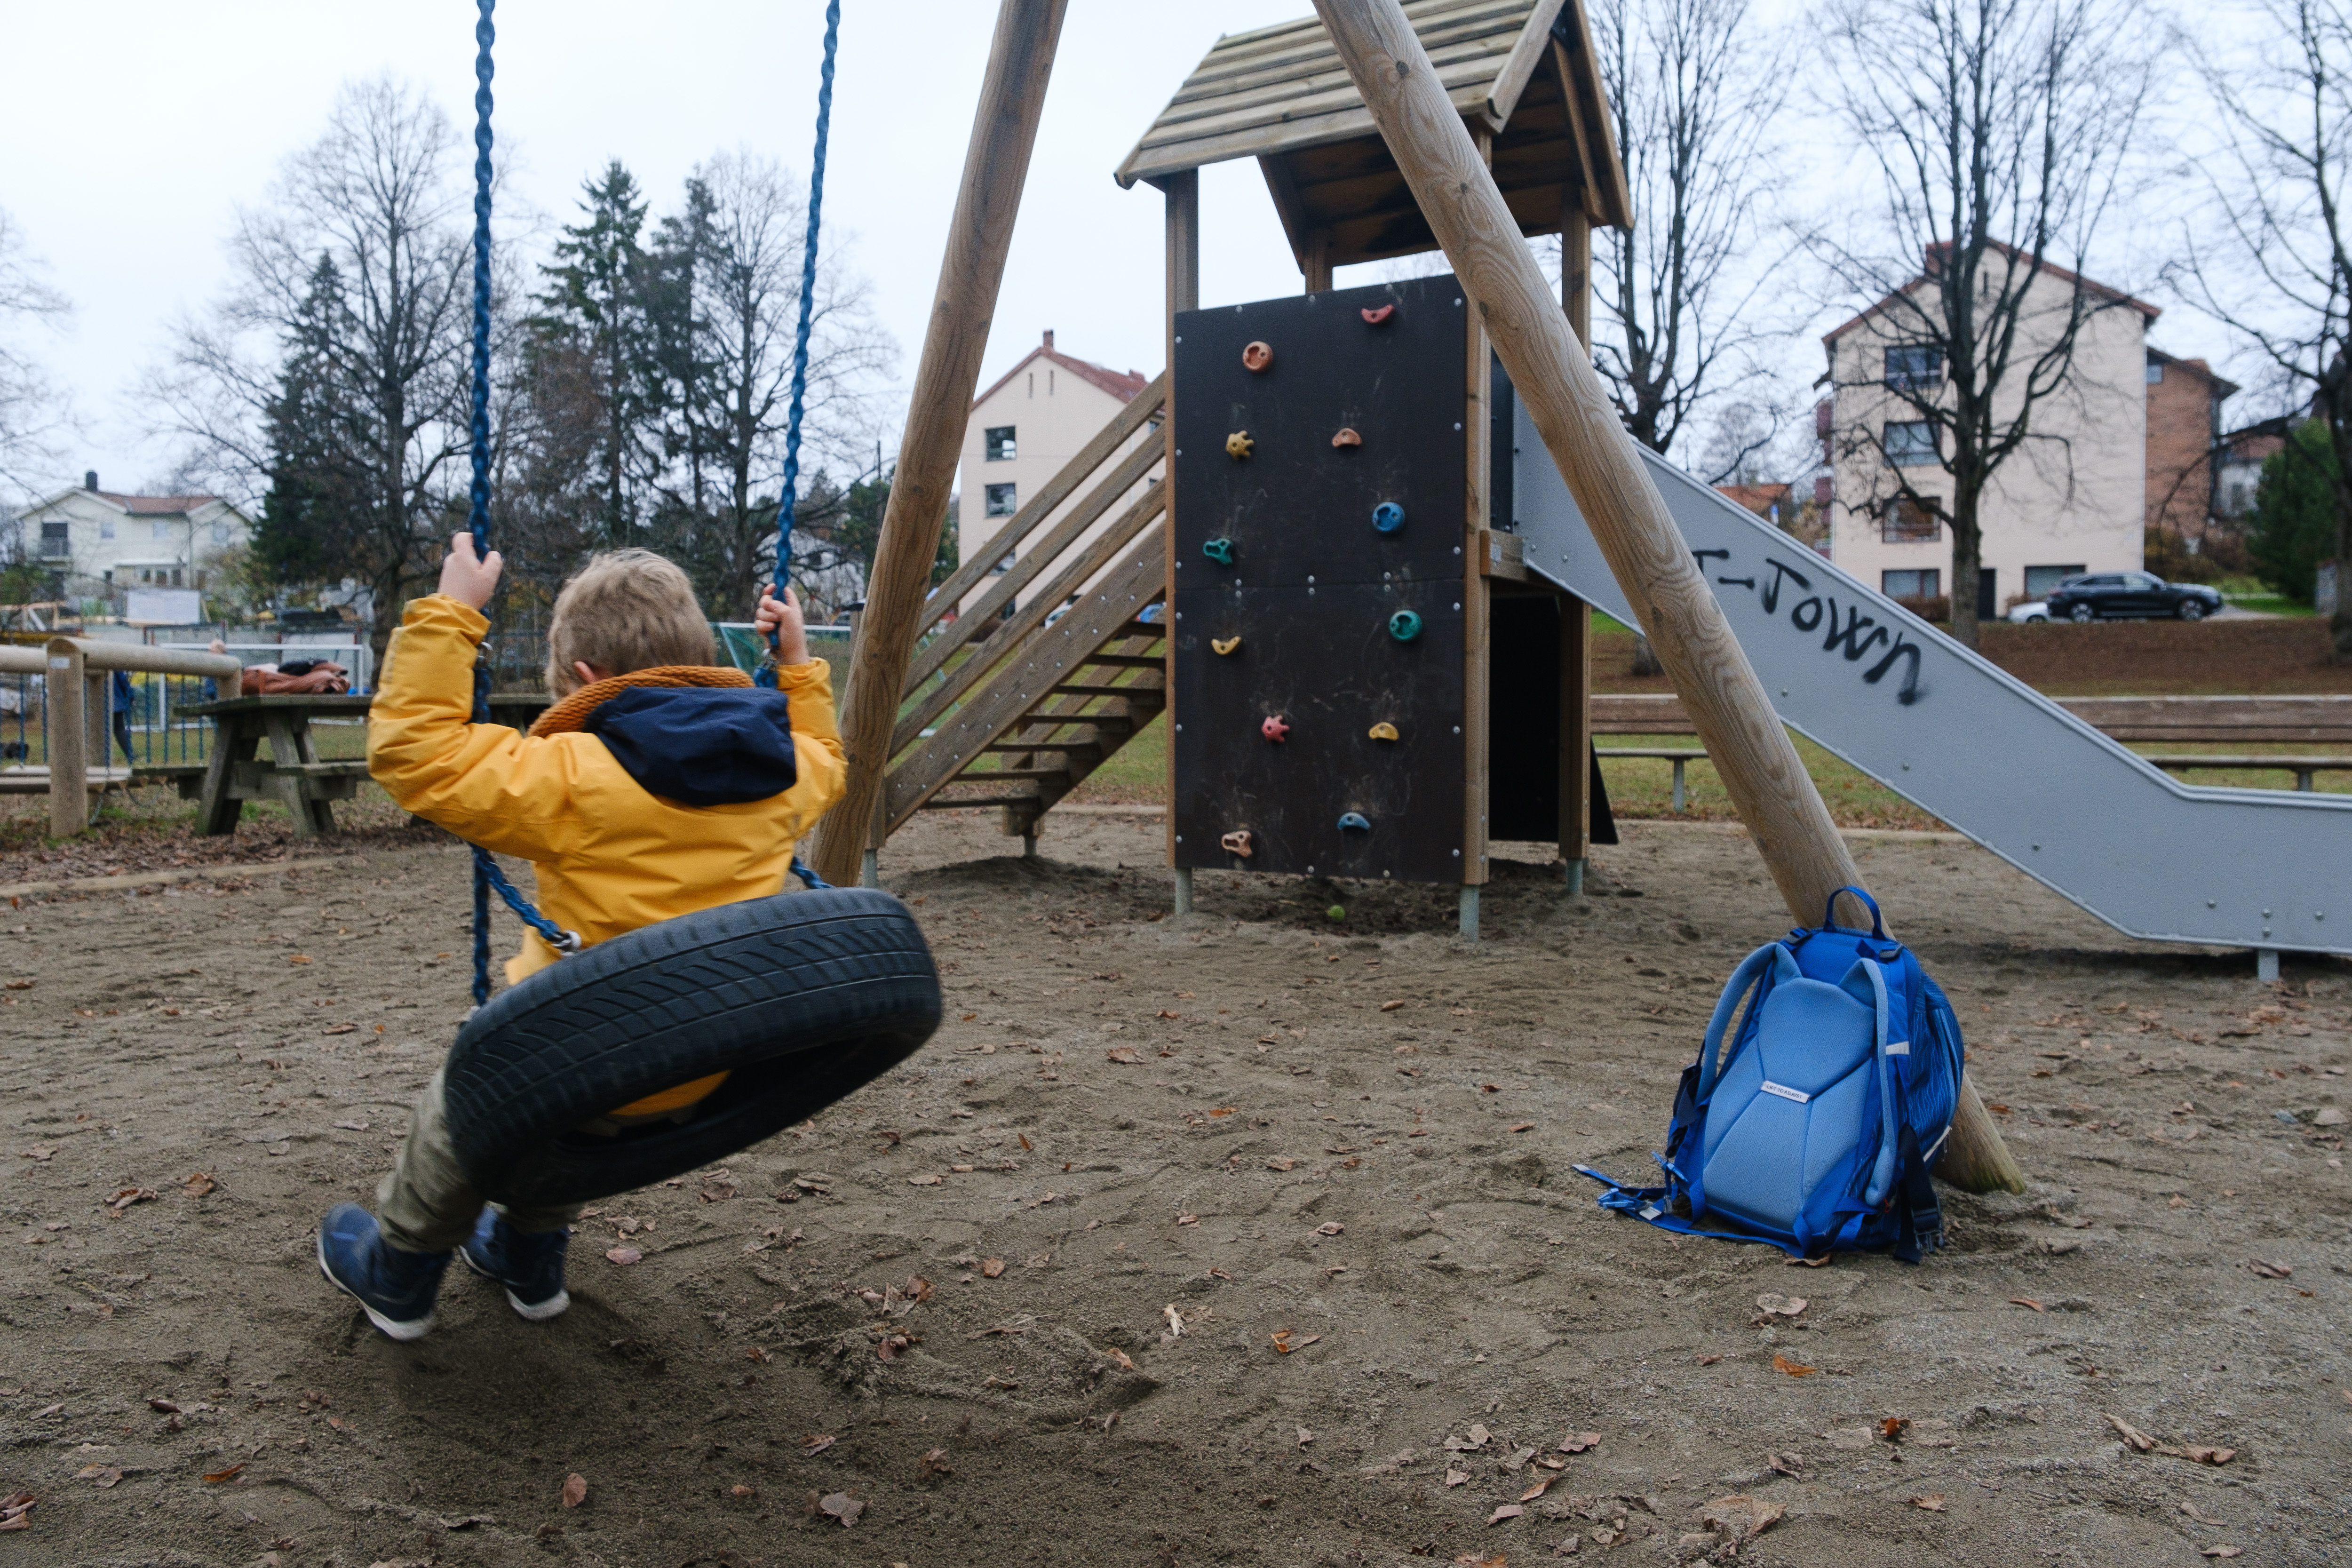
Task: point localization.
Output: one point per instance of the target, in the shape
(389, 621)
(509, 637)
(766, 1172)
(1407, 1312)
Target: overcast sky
(135, 129)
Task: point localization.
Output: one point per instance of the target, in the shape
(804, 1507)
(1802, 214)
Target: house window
(1001, 502)
(1912, 587)
(1001, 447)
(160, 530)
(1910, 443)
(1909, 522)
(2155, 374)
(57, 542)
(220, 533)
(106, 528)
(1913, 366)
(1003, 564)
(2040, 581)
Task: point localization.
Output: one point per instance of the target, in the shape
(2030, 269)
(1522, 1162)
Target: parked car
(2128, 595)
(2031, 610)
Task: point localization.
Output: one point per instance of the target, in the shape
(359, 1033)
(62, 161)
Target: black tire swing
(801, 999)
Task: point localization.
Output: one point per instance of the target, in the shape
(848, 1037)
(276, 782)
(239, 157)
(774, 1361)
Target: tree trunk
(1967, 559)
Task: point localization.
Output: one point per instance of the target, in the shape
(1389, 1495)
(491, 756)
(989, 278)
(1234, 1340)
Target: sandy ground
(1352, 1139)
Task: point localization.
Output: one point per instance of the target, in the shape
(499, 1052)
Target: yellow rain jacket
(610, 855)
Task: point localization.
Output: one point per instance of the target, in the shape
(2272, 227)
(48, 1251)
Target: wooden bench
(2302, 768)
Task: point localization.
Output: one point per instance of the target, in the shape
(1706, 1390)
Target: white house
(1024, 429)
(99, 545)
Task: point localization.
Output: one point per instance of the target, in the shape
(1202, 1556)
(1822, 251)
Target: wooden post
(1317, 268)
(1570, 409)
(996, 165)
(67, 693)
(1575, 615)
(1183, 192)
(1477, 593)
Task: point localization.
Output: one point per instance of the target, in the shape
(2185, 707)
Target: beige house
(1024, 429)
(99, 545)
(2072, 500)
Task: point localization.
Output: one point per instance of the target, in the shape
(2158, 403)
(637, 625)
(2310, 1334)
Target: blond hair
(625, 611)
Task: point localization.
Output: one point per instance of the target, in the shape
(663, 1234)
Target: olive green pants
(425, 1203)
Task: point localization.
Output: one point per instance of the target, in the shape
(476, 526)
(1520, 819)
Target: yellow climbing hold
(1224, 645)
(1384, 731)
(1238, 443)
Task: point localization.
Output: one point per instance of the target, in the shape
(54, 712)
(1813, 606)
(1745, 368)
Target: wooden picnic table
(294, 774)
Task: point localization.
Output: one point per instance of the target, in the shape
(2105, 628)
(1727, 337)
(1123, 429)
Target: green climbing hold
(1335, 912)
(1220, 551)
(1405, 626)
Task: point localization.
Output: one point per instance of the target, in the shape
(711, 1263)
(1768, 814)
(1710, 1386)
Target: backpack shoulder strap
(1743, 980)
(1882, 1174)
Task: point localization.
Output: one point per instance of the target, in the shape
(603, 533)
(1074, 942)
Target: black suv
(2127, 595)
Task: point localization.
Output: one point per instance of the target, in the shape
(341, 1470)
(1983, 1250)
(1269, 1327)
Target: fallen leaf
(40, 1156)
(1508, 1511)
(1454, 1478)
(1739, 1517)
(1025, 1144)
(1281, 1162)
(2220, 1551)
(576, 1489)
(1126, 1056)
(816, 1443)
(1821, 1262)
(1223, 1110)
(1708, 1360)
(1175, 1321)
(1891, 1428)
(1932, 1501)
(1785, 1465)
(934, 1462)
(2202, 1455)
(214, 1478)
(2131, 1433)
(1773, 1304)
(1782, 1364)
(1391, 1006)
(1579, 1442)
(339, 1029)
(1524, 1127)
(104, 1475)
(1188, 1219)
(743, 1491)
(926, 1180)
(843, 1506)
(2270, 1270)
(165, 1406)
(992, 1267)
(1304, 1436)
(119, 1204)
(624, 1256)
(1536, 1491)
(1329, 1227)
(1286, 1340)
(2027, 1302)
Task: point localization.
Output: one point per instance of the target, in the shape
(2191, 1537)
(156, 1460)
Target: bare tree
(381, 198)
(1694, 90)
(2276, 266)
(30, 411)
(735, 252)
(2000, 135)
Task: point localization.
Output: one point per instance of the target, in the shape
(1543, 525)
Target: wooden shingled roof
(1522, 71)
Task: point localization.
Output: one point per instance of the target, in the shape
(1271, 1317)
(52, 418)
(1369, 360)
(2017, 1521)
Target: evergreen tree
(594, 313)
(2293, 525)
(316, 519)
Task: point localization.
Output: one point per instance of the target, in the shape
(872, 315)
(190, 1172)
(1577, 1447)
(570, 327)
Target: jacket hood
(699, 746)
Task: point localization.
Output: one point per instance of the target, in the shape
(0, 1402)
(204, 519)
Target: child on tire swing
(658, 783)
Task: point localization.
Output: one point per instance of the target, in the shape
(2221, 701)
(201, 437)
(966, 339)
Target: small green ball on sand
(1337, 913)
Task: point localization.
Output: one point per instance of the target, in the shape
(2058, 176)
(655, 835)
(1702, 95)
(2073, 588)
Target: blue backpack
(1817, 1128)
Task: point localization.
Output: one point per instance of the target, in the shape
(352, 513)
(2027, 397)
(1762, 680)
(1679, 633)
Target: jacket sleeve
(821, 767)
(485, 782)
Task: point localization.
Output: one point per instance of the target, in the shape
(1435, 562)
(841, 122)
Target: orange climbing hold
(1347, 438)
(1256, 357)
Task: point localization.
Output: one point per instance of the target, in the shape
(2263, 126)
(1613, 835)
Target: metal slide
(1851, 670)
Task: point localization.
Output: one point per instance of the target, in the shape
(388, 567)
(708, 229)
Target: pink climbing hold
(1375, 317)
(1273, 729)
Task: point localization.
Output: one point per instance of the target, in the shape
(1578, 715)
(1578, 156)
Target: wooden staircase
(1014, 709)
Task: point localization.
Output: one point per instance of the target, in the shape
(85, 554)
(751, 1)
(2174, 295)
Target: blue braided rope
(477, 518)
(808, 307)
(801, 345)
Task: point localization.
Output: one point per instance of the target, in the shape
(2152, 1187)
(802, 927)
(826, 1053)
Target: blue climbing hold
(1405, 626)
(1388, 517)
(1355, 819)
(1220, 551)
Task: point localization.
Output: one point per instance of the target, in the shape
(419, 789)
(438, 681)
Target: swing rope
(799, 359)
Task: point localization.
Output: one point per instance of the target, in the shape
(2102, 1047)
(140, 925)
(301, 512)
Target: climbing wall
(1319, 532)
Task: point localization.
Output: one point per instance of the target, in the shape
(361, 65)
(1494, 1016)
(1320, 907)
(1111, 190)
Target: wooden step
(941, 803)
(1126, 660)
(1083, 689)
(1063, 747)
(995, 775)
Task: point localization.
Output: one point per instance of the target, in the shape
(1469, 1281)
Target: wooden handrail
(1025, 568)
(1139, 410)
(1009, 634)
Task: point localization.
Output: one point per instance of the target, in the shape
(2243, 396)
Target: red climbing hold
(1273, 729)
(1375, 317)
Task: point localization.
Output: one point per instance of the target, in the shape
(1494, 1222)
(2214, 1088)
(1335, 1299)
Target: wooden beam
(1183, 293)
(979, 233)
(1576, 272)
(1570, 409)
(1478, 619)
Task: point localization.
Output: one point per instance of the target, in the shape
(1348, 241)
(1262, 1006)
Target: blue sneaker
(395, 1289)
(530, 1266)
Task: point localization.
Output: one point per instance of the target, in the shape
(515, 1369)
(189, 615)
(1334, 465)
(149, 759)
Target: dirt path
(1289, 1158)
